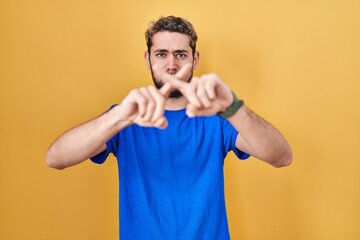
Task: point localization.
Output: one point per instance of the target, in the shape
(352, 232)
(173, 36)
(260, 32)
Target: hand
(207, 95)
(145, 106)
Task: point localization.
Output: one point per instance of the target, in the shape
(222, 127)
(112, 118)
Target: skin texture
(171, 62)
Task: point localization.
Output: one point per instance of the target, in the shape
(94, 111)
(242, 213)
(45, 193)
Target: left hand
(207, 95)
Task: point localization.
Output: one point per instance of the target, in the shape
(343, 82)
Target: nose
(172, 66)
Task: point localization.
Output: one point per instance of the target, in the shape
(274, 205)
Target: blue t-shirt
(171, 180)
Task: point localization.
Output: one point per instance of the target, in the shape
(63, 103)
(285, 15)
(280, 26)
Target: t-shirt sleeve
(111, 147)
(230, 135)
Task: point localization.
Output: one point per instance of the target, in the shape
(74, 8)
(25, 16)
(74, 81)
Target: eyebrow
(165, 51)
(181, 51)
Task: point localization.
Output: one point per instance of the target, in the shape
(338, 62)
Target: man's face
(169, 53)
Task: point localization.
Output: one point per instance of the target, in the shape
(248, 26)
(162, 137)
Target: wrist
(120, 117)
(233, 108)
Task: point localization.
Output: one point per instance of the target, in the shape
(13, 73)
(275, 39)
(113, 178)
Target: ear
(147, 59)
(196, 60)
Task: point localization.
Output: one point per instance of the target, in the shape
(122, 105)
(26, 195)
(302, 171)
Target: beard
(158, 84)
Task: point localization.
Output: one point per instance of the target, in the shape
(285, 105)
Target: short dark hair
(171, 24)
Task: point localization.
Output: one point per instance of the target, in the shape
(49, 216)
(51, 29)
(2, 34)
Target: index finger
(173, 82)
(188, 90)
(166, 89)
(169, 80)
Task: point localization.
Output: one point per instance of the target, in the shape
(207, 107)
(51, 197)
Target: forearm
(260, 139)
(85, 140)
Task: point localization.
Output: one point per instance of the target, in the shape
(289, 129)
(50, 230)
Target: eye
(160, 55)
(181, 55)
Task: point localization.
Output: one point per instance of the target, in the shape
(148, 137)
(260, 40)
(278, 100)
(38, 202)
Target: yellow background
(296, 63)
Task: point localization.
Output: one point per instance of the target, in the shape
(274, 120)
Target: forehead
(171, 41)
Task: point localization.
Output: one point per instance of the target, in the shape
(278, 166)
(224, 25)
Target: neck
(176, 103)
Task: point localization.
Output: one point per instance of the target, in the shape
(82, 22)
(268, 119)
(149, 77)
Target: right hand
(145, 106)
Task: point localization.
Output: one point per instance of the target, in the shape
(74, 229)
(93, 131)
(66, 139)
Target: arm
(85, 140)
(144, 106)
(208, 95)
(260, 139)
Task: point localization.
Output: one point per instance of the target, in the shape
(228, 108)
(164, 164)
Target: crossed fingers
(205, 95)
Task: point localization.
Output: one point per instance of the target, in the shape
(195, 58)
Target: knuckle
(213, 75)
(152, 87)
(201, 92)
(134, 92)
(142, 90)
(141, 100)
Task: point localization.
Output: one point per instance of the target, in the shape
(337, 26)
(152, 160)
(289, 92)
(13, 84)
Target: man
(171, 140)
